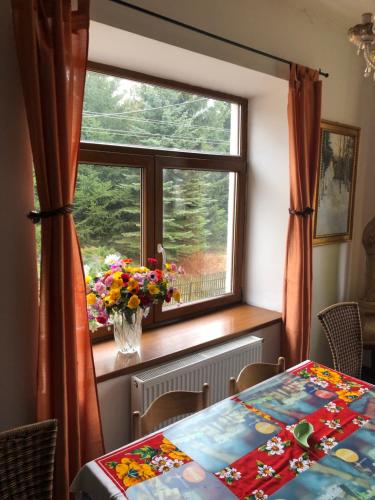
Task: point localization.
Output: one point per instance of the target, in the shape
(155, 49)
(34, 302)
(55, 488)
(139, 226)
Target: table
(244, 447)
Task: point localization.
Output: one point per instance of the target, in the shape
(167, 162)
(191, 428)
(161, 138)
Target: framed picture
(334, 199)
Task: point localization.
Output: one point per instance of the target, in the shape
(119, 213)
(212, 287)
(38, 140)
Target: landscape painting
(334, 201)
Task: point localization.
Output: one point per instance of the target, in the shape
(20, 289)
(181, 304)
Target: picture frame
(335, 189)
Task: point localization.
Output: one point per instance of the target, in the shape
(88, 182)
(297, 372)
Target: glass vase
(128, 335)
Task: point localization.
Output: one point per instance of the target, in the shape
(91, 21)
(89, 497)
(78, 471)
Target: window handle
(161, 250)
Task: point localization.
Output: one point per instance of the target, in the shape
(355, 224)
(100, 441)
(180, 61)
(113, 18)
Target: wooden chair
(254, 374)
(168, 405)
(342, 326)
(27, 457)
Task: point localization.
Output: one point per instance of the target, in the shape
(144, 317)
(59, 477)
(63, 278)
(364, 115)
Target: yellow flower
(326, 374)
(108, 301)
(176, 295)
(133, 302)
(114, 293)
(153, 289)
(91, 299)
(117, 283)
(172, 451)
(347, 396)
(132, 472)
(88, 279)
(168, 266)
(117, 280)
(132, 285)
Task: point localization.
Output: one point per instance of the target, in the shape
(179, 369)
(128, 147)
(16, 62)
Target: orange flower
(114, 293)
(132, 472)
(132, 285)
(133, 302)
(172, 451)
(348, 396)
(326, 374)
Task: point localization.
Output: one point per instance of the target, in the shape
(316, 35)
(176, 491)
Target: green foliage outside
(107, 205)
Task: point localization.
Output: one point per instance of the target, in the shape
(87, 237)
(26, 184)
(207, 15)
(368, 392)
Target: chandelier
(363, 36)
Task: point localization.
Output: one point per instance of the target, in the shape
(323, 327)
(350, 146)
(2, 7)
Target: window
(162, 162)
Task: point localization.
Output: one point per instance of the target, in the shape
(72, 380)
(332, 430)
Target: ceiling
(342, 13)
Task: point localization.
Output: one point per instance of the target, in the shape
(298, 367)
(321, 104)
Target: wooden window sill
(169, 342)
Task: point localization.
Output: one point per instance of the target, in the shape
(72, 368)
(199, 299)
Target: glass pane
(107, 213)
(127, 112)
(198, 217)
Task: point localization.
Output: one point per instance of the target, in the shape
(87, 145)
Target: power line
(147, 134)
(152, 109)
(160, 121)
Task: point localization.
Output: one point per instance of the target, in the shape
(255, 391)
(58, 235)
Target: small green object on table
(302, 432)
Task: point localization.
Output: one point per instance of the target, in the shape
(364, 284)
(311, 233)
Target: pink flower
(108, 281)
(100, 287)
(139, 278)
(173, 267)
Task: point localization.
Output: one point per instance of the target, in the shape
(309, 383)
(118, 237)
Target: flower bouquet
(122, 294)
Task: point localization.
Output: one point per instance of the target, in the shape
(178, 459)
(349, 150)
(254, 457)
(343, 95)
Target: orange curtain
(52, 43)
(304, 106)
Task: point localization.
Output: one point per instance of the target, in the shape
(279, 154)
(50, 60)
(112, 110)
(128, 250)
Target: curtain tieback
(302, 213)
(37, 216)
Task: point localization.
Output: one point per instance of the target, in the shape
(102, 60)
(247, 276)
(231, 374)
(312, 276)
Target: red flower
(159, 274)
(101, 319)
(152, 261)
(127, 261)
(146, 301)
(125, 277)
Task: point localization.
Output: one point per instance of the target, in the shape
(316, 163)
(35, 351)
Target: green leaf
(145, 452)
(111, 465)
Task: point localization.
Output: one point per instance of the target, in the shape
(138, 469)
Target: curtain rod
(207, 33)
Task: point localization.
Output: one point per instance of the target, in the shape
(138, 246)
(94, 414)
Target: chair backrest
(254, 374)
(168, 405)
(27, 457)
(342, 326)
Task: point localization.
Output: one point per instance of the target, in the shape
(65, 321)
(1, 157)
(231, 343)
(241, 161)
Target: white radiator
(214, 365)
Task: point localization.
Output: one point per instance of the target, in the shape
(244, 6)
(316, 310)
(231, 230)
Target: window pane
(198, 215)
(107, 212)
(127, 112)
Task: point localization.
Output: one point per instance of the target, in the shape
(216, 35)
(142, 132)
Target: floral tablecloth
(244, 447)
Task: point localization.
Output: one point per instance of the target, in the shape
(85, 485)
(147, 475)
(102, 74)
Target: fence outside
(193, 288)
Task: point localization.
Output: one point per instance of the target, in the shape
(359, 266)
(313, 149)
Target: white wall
(267, 211)
(307, 32)
(18, 291)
